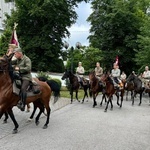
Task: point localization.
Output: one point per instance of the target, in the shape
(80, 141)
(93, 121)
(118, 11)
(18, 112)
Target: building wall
(5, 8)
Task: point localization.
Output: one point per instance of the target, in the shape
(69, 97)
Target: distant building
(5, 8)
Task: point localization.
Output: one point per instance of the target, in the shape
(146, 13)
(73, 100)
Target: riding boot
(23, 98)
(22, 102)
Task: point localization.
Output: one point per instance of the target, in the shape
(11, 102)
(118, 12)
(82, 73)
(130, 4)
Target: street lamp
(78, 45)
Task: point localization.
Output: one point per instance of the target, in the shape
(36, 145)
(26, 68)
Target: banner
(117, 60)
(14, 38)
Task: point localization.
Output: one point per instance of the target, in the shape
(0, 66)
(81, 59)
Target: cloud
(80, 30)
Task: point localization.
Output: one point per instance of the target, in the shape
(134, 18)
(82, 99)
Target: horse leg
(48, 116)
(77, 96)
(6, 117)
(140, 98)
(34, 110)
(133, 95)
(94, 100)
(111, 104)
(71, 93)
(39, 114)
(11, 114)
(117, 94)
(127, 95)
(107, 104)
(85, 94)
(103, 97)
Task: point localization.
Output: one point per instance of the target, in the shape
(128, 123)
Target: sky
(80, 30)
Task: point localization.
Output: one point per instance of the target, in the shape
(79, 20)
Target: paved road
(81, 127)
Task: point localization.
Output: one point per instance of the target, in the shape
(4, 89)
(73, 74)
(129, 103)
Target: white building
(5, 8)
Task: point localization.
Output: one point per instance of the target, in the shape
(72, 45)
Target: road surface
(80, 127)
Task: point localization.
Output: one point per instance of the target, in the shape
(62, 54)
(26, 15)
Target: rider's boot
(21, 104)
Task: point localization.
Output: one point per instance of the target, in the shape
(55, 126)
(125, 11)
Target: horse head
(92, 75)
(130, 78)
(66, 74)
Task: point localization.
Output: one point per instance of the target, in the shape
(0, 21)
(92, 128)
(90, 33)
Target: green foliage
(87, 55)
(143, 55)
(43, 74)
(42, 25)
(114, 30)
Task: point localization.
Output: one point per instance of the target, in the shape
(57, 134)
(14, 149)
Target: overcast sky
(80, 30)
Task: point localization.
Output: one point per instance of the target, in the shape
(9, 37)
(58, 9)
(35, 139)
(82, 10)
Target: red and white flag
(14, 38)
(117, 60)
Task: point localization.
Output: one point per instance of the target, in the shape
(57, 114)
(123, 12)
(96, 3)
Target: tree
(87, 55)
(115, 25)
(42, 25)
(143, 54)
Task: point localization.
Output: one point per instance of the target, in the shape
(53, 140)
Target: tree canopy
(115, 26)
(42, 24)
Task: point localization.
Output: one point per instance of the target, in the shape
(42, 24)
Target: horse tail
(55, 87)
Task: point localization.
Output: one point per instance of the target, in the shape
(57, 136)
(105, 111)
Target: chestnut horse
(110, 91)
(8, 99)
(96, 86)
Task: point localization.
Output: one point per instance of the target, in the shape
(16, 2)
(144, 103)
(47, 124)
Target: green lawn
(65, 93)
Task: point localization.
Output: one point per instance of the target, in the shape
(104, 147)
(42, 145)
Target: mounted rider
(115, 73)
(80, 72)
(22, 66)
(146, 76)
(98, 70)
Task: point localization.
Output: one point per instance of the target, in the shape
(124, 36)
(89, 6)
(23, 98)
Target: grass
(65, 93)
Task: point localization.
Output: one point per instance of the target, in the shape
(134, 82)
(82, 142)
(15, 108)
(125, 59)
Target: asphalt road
(80, 127)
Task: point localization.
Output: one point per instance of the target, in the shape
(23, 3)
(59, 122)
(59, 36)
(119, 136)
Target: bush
(43, 74)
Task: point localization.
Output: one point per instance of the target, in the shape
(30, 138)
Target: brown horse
(96, 86)
(110, 91)
(8, 99)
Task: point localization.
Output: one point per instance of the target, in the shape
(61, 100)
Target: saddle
(32, 89)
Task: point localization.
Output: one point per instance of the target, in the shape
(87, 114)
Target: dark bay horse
(137, 87)
(8, 99)
(75, 85)
(96, 86)
(129, 87)
(110, 91)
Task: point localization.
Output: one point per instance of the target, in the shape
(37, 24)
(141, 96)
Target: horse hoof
(37, 123)
(93, 106)
(45, 127)
(82, 102)
(139, 104)
(105, 110)
(111, 108)
(29, 120)
(14, 131)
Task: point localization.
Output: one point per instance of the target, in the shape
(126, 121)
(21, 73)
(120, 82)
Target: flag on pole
(117, 60)
(14, 38)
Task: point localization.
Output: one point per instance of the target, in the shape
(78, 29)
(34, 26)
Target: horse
(75, 85)
(8, 99)
(96, 86)
(137, 87)
(129, 86)
(110, 90)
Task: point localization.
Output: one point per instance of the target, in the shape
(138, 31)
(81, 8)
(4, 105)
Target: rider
(146, 75)
(80, 72)
(22, 64)
(115, 73)
(123, 76)
(98, 70)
